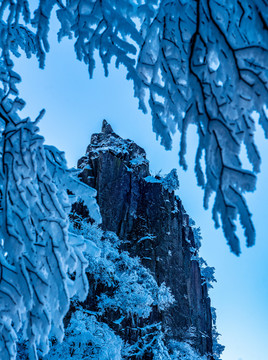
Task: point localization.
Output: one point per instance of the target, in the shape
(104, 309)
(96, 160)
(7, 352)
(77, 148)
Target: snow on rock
(152, 180)
(107, 141)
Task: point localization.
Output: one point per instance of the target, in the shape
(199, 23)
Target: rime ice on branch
(41, 265)
(197, 62)
(200, 62)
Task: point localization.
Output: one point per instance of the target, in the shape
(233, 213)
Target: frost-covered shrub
(171, 182)
(135, 289)
(87, 338)
(216, 347)
(165, 297)
(183, 351)
(207, 272)
(151, 341)
(131, 297)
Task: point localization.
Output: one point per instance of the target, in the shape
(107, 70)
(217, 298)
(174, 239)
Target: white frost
(213, 61)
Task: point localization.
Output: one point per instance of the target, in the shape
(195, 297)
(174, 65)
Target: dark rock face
(137, 207)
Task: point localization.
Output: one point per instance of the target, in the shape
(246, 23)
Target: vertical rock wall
(137, 207)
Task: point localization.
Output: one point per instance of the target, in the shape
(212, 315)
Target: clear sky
(75, 108)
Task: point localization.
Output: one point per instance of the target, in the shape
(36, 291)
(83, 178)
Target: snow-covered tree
(87, 338)
(123, 293)
(98, 328)
(217, 347)
(201, 62)
(170, 181)
(41, 265)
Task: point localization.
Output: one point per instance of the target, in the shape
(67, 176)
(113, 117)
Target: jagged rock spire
(151, 220)
(106, 128)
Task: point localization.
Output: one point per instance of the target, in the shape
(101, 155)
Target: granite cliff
(145, 210)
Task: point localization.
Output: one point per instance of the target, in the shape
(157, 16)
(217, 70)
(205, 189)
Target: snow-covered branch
(193, 62)
(42, 266)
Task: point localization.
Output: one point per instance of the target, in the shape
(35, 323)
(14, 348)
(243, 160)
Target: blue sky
(75, 108)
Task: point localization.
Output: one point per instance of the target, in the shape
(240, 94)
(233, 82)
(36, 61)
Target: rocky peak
(106, 128)
(151, 220)
(127, 150)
